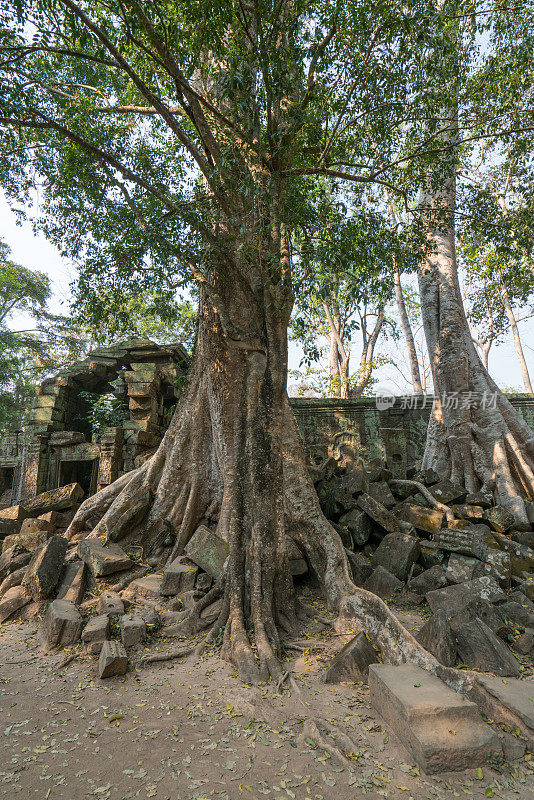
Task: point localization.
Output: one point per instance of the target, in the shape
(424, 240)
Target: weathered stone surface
(133, 630)
(437, 637)
(352, 661)
(110, 604)
(203, 582)
(113, 660)
(498, 565)
(103, 559)
(470, 542)
(62, 624)
(12, 601)
(383, 583)
(517, 613)
(95, 633)
(510, 701)
(36, 526)
(44, 570)
(452, 599)
(479, 499)
(428, 581)
(480, 648)
(428, 476)
(396, 553)
(428, 520)
(30, 541)
(524, 644)
(447, 492)
(461, 568)
(380, 491)
(499, 519)
(178, 576)
(378, 513)
(525, 538)
(8, 527)
(12, 559)
(484, 610)
(148, 587)
(422, 712)
(54, 500)
(355, 481)
(73, 582)
(297, 562)
(431, 555)
(208, 550)
(360, 567)
(15, 579)
(401, 489)
(14, 513)
(358, 524)
(467, 511)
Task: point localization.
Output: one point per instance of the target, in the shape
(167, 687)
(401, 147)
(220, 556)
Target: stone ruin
(57, 446)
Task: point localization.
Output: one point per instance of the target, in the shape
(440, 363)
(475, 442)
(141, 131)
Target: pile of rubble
(411, 542)
(425, 540)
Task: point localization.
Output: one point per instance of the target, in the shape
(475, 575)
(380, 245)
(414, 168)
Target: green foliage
(105, 411)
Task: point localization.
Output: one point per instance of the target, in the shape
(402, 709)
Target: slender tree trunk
(408, 334)
(517, 339)
(475, 436)
(368, 351)
(333, 364)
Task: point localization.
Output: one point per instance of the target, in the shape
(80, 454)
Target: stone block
(95, 633)
(485, 611)
(133, 630)
(446, 492)
(148, 587)
(110, 604)
(516, 613)
(428, 581)
(380, 491)
(44, 570)
(468, 542)
(383, 583)
(8, 527)
(431, 555)
(73, 583)
(378, 513)
(427, 520)
(62, 624)
(12, 601)
(15, 579)
(355, 481)
(359, 526)
(499, 566)
(499, 519)
(297, 562)
(12, 559)
(469, 512)
(352, 662)
(209, 550)
(440, 729)
(453, 599)
(481, 649)
(509, 701)
(203, 582)
(481, 499)
(401, 489)
(461, 568)
(525, 538)
(396, 553)
(438, 638)
(54, 518)
(103, 559)
(30, 541)
(54, 500)
(178, 576)
(524, 644)
(12, 513)
(113, 660)
(360, 567)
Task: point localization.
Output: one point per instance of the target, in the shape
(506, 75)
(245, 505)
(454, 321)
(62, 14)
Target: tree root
(178, 652)
(340, 749)
(449, 514)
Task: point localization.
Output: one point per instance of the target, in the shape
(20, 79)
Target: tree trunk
(233, 459)
(475, 436)
(366, 361)
(517, 340)
(408, 335)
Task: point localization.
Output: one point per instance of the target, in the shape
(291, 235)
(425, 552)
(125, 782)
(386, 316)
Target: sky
(35, 252)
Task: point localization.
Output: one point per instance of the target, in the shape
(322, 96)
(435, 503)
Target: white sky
(35, 252)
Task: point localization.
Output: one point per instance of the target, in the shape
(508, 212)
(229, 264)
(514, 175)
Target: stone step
(441, 729)
(509, 701)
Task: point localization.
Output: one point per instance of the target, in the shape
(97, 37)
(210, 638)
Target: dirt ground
(184, 730)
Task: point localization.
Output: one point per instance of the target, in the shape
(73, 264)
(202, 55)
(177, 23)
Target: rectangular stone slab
(422, 712)
(103, 559)
(453, 598)
(208, 550)
(507, 700)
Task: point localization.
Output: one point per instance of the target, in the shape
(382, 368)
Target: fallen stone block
(148, 587)
(431, 555)
(516, 613)
(36, 526)
(380, 491)
(14, 579)
(468, 511)
(8, 527)
(509, 701)
(103, 559)
(479, 499)
(178, 576)
(428, 520)
(396, 553)
(12, 601)
(427, 476)
(133, 630)
(113, 660)
(428, 581)
(513, 748)
(378, 513)
(485, 611)
(499, 519)
(54, 500)
(437, 637)
(524, 644)
(12, 559)
(452, 599)
(62, 624)
(209, 550)
(498, 565)
(355, 481)
(441, 729)
(383, 583)
(30, 541)
(73, 583)
(95, 633)
(525, 538)
(446, 492)
(110, 604)
(55, 518)
(461, 568)
(13, 513)
(359, 526)
(203, 582)
(481, 649)
(468, 543)
(360, 567)
(401, 489)
(297, 562)
(44, 570)
(352, 662)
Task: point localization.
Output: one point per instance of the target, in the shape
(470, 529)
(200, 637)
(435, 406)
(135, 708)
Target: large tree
(171, 139)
